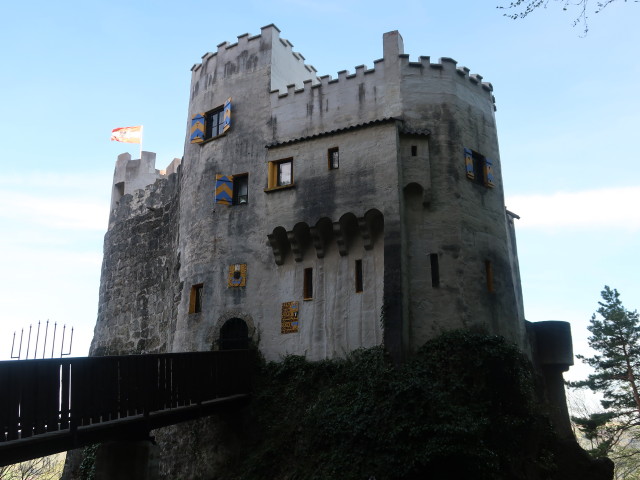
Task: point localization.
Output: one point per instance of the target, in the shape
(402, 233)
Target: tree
(44, 468)
(615, 336)
(523, 8)
(597, 434)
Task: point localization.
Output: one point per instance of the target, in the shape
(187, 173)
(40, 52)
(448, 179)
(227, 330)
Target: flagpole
(141, 132)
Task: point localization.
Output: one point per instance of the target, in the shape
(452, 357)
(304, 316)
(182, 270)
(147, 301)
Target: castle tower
(317, 215)
(314, 216)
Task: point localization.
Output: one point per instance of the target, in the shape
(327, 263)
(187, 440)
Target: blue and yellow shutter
(224, 189)
(197, 128)
(227, 115)
(468, 163)
(488, 173)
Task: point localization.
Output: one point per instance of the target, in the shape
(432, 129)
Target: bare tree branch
(519, 9)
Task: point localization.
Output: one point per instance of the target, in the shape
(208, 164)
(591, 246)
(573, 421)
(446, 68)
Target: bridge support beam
(127, 460)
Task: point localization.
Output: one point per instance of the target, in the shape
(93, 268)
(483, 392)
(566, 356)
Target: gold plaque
(289, 317)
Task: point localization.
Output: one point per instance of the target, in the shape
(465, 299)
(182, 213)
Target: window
(489, 271)
(435, 270)
(285, 171)
(308, 284)
(359, 284)
(232, 189)
(211, 124)
(478, 168)
(414, 150)
(118, 192)
(333, 155)
(195, 298)
(240, 189)
(280, 174)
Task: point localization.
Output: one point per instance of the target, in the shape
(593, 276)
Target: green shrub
(463, 407)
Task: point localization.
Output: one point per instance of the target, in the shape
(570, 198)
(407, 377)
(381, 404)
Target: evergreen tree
(615, 336)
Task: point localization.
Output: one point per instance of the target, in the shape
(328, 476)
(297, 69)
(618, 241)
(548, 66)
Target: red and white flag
(127, 134)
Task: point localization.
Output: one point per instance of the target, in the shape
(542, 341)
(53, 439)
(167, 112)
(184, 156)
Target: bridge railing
(53, 395)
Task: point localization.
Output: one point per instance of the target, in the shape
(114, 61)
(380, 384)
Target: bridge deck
(49, 406)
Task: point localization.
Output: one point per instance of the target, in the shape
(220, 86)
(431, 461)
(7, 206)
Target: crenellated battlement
(386, 90)
(131, 175)
(424, 62)
(309, 103)
(250, 53)
(325, 80)
(224, 47)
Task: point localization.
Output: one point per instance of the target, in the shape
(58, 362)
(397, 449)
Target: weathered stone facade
(405, 236)
(431, 247)
(140, 286)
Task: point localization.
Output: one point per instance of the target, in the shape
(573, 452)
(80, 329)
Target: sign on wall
(289, 317)
(237, 275)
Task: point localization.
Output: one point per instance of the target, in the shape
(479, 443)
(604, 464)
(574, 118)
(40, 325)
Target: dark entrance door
(234, 335)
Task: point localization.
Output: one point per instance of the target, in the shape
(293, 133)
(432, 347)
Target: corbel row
(302, 237)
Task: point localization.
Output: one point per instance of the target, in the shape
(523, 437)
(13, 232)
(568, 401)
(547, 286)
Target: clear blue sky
(568, 111)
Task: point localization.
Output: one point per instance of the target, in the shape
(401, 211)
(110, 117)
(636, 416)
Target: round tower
(459, 264)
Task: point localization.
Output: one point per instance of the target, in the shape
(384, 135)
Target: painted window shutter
(227, 115)
(224, 189)
(197, 128)
(468, 162)
(488, 173)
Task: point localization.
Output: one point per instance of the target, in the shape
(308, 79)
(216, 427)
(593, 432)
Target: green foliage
(614, 433)
(599, 431)
(88, 464)
(616, 338)
(463, 407)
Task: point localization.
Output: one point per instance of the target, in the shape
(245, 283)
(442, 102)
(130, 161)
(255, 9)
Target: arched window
(234, 335)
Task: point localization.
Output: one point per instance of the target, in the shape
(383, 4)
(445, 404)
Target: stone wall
(401, 129)
(139, 284)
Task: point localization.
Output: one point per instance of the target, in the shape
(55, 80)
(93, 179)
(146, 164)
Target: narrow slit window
(489, 270)
(414, 150)
(119, 192)
(308, 284)
(334, 158)
(435, 270)
(359, 283)
(478, 168)
(195, 298)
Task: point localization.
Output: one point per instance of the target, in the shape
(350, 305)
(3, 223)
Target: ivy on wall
(465, 406)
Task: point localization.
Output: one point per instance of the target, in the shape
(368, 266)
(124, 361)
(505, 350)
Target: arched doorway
(234, 335)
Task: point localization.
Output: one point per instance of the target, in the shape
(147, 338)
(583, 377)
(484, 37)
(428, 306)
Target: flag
(127, 134)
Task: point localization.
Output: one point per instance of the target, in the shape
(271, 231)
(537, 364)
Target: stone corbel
(341, 239)
(365, 233)
(278, 250)
(318, 241)
(295, 246)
